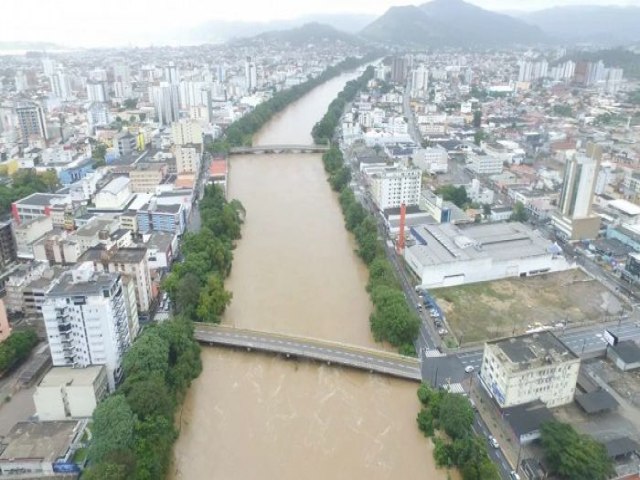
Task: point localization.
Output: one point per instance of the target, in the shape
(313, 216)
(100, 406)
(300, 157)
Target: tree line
(452, 414)
(240, 132)
(196, 284)
(391, 320)
(133, 430)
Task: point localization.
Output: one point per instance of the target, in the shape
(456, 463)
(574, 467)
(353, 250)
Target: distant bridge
(261, 149)
(300, 347)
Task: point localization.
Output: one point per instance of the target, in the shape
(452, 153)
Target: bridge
(262, 149)
(300, 347)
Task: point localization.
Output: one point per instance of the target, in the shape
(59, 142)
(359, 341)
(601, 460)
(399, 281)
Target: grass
(80, 456)
(483, 311)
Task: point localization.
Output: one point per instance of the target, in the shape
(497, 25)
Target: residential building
(167, 102)
(31, 121)
(186, 132)
(57, 248)
(432, 160)
(393, 186)
(30, 231)
(574, 218)
(18, 280)
(479, 194)
(61, 85)
(188, 159)
(481, 163)
(146, 177)
(444, 255)
(65, 392)
(126, 144)
(87, 321)
(523, 369)
(161, 218)
(8, 251)
(97, 92)
(130, 263)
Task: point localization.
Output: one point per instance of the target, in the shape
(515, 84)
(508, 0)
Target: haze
(80, 23)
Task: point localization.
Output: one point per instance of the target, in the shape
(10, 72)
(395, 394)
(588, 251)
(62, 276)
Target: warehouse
(445, 255)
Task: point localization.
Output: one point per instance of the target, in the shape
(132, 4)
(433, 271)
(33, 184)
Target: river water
(250, 415)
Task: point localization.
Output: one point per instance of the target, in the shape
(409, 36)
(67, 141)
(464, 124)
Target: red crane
(403, 214)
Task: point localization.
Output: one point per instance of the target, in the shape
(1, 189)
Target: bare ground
(483, 311)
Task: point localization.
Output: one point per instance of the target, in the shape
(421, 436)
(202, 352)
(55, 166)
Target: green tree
(451, 193)
(519, 213)
(479, 137)
(148, 356)
(113, 424)
(213, 301)
(130, 103)
(477, 119)
(187, 294)
(16, 348)
(154, 439)
(456, 416)
(573, 456)
(148, 396)
(563, 110)
(105, 471)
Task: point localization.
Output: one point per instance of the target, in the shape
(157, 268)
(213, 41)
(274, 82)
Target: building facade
(391, 187)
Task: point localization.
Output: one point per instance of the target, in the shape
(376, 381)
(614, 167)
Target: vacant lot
(502, 308)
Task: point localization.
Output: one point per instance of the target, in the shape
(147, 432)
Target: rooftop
(95, 284)
(625, 206)
(116, 185)
(120, 255)
(47, 441)
(597, 401)
(71, 376)
(448, 243)
(527, 418)
(627, 350)
(42, 199)
(532, 350)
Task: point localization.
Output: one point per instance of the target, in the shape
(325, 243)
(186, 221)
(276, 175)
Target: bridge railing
(391, 356)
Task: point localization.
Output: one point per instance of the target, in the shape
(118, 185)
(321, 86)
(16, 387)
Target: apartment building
(522, 369)
(87, 322)
(146, 177)
(188, 159)
(393, 186)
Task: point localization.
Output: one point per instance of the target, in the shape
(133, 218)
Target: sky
(121, 22)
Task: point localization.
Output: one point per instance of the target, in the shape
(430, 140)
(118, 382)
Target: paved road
(347, 355)
(495, 454)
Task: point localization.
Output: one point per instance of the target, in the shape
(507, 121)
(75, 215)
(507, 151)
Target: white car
(469, 368)
(513, 475)
(493, 442)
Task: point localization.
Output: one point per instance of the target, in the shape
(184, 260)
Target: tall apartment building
(391, 187)
(126, 143)
(97, 92)
(398, 69)
(531, 367)
(187, 159)
(146, 177)
(419, 82)
(166, 99)
(481, 163)
(31, 120)
(574, 217)
(186, 132)
(61, 85)
(131, 263)
(87, 321)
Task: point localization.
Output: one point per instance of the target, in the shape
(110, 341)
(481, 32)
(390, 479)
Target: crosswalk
(454, 388)
(433, 354)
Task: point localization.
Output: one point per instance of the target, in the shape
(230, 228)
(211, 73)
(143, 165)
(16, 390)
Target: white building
(186, 132)
(115, 195)
(87, 322)
(531, 367)
(393, 186)
(66, 392)
(166, 99)
(61, 85)
(97, 92)
(445, 255)
(432, 160)
(187, 159)
(479, 194)
(482, 164)
(420, 82)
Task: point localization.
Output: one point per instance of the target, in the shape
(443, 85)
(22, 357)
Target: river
(250, 415)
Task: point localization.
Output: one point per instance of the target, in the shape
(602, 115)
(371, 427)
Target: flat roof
(47, 441)
(116, 185)
(42, 199)
(625, 206)
(598, 401)
(627, 350)
(96, 283)
(449, 243)
(71, 376)
(533, 350)
(620, 446)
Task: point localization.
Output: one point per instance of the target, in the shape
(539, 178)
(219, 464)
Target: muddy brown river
(256, 416)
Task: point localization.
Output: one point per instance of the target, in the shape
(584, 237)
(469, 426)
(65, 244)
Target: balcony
(64, 327)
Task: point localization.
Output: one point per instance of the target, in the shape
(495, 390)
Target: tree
(563, 110)
(519, 213)
(479, 136)
(451, 193)
(154, 439)
(213, 300)
(130, 103)
(187, 294)
(456, 416)
(105, 471)
(573, 456)
(148, 356)
(113, 423)
(148, 396)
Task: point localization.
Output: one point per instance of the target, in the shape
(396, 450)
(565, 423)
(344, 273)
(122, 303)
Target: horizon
(70, 24)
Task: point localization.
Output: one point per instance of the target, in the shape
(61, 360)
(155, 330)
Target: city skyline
(163, 24)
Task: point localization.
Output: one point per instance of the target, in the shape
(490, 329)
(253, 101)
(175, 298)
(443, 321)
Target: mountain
(603, 24)
(309, 33)
(450, 22)
(216, 31)
(407, 26)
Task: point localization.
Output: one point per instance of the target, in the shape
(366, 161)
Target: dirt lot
(488, 310)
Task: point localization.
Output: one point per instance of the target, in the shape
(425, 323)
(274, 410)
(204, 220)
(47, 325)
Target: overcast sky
(117, 22)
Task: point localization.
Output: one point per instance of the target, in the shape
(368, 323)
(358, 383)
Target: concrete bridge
(262, 149)
(300, 347)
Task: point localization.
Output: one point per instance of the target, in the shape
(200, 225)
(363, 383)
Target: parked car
(493, 442)
(513, 475)
(469, 368)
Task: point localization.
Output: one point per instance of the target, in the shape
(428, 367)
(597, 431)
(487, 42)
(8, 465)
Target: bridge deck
(341, 354)
(279, 149)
